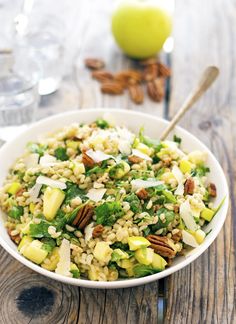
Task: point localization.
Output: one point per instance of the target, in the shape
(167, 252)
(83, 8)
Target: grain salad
(99, 202)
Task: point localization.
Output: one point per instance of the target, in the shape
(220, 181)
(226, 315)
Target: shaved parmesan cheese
(141, 155)
(125, 134)
(63, 266)
(98, 156)
(180, 178)
(34, 192)
(180, 190)
(138, 183)
(31, 160)
(186, 214)
(88, 231)
(50, 182)
(96, 194)
(124, 147)
(47, 160)
(177, 174)
(189, 239)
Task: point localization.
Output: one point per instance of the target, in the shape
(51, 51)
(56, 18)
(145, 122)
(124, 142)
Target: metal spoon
(208, 77)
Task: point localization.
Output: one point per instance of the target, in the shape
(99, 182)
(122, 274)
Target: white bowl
(134, 120)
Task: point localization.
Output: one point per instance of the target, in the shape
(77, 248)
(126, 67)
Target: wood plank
(54, 302)
(204, 292)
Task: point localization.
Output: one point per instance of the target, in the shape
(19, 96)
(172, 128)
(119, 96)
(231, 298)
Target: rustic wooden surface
(203, 292)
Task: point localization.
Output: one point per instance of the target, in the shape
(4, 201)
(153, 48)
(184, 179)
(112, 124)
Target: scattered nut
(212, 190)
(156, 90)
(97, 231)
(102, 75)
(94, 64)
(142, 193)
(189, 187)
(112, 87)
(136, 93)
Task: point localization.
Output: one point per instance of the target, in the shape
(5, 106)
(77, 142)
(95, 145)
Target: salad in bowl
(98, 201)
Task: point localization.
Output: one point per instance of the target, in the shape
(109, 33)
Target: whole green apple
(140, 27)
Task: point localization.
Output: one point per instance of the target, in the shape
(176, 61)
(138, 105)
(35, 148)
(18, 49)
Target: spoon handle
(208, 77)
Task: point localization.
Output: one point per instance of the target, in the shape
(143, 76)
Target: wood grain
(204, 292)
(28, 297)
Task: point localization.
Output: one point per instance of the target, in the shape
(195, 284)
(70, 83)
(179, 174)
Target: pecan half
(15, 238)
(87, 160)
(102, 75)
(212, 190)
(97, 231)
(127, 77)
(134, 159)
(136, 93)
(83, 216)
(161, 245)
(150, 73)
(189, 186)
(163, 70)
(156, 89)
(142, 193)
(112, 87)
(176, 209)
(94, 64)
(156, 207)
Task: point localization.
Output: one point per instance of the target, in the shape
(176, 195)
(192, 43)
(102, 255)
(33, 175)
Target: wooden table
(203, 292)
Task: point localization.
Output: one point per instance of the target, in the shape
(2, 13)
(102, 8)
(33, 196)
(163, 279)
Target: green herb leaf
(177, 139)
(169, 196)
(155, 144)
(48, 244)
(108, 213)
(16, 212)
(135, 204)
(39, 230)
(36, 148)
(73, 191)
(60, 154)
(169, 217)
(141, 270)
(75, 273)
(101, 123)
(200, 171)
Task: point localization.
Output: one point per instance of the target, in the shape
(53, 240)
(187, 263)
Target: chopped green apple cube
(14, 188)
(137, 242)
(52, 200)
(34, 252)
(125, 264)
(144, 255)
(158, 262)
(53, 260)
(207, 214)
(26, 240)
(185, 166)
(200, 236)
(102, 252)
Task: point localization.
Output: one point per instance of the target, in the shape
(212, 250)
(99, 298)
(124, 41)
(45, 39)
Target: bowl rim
(126, 282)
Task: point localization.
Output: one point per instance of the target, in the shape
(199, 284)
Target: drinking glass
(18, 93)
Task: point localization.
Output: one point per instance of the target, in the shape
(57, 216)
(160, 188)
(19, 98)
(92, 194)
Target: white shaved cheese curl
(63, 266)
(189, 239)
(141, 155)
(186, 214)
(138, 183)
(31, 160)
(88, 231)
(180, 178)
(50, 182)
(124, 147)
(34, 192)
(98, 156)
(47, 160)
(126, 139)
(96, 194)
